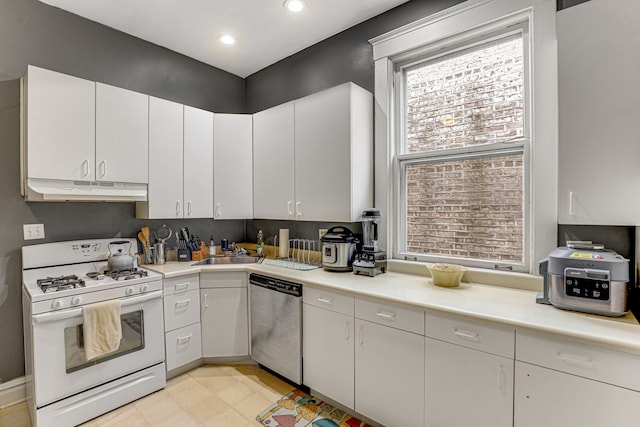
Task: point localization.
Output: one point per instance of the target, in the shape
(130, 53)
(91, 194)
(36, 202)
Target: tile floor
(211, 395)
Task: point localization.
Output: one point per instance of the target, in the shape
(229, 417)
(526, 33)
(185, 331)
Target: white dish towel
(102, 328)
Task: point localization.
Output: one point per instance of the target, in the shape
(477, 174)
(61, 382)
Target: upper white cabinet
(273, 163)
(599, 106)
(198, 163)
(60, 127)
(79, 130)
(232, 166)
(327, 160)
(180, 162)
(122, 135)
(165, 198)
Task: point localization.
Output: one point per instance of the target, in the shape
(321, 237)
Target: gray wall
(345, 57)
(34, 33)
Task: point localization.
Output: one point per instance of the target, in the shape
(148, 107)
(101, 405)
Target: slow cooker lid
(339, 235)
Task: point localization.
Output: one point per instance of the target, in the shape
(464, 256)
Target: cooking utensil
(146, 233)
(163, 234)
(120, 260)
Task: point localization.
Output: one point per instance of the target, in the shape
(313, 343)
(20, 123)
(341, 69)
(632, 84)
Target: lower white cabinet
(182, 320)
(389, 363)
(466, 387)
(224, 314)
(559, 382)
(469, 372)
(545, 397)
(183, 346)
(328, 348)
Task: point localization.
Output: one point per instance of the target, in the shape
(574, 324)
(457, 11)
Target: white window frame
(468, 21)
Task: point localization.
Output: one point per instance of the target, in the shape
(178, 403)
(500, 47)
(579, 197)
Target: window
(461, 153)
(466, 135)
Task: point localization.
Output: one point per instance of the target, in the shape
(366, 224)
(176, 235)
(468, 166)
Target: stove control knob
(144, 288)
(56, 304)
(129, 291)
(76, 300)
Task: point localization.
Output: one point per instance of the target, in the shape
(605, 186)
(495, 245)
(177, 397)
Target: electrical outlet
(33, 231)
(321, 232)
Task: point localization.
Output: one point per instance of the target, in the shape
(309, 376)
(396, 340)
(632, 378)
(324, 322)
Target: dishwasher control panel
(274, 284)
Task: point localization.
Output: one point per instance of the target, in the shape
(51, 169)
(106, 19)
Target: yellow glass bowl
(447, 275)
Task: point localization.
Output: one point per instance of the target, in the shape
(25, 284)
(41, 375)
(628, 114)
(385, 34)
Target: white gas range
(63, 387)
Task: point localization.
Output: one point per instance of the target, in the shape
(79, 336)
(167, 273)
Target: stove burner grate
(54, 284)
(132, 273)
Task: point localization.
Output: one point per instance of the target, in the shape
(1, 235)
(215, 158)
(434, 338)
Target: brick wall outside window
(466, 208)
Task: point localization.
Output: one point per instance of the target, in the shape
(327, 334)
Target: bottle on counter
(212, 248)
(260, 241)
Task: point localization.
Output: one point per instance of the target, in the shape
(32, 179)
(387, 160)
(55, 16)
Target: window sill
(505, 279)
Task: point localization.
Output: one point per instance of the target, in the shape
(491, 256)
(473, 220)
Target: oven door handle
(74, 312)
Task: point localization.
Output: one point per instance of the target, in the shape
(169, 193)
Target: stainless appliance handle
(75, 312)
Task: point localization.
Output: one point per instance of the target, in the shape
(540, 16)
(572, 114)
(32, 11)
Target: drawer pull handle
(467, 335)
(184, 340)
(181, 287)
(573, 359)
(386, 315)
(502, 379)
(326, 300)
(183, 302)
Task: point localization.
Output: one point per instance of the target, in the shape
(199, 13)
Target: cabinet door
(198, 163)
(544, 397)
(389, 374)
(466, 387)
(60, 126)
(165, 159)
(122, 135)
(273, 162)
(323, 156)
(328, 353)
(598, 110)
(224, 322)
(232, 166)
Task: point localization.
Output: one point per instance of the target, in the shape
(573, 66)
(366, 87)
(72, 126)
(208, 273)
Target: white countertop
(508, 306)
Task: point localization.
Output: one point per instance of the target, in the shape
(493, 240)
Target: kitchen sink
(231, 259)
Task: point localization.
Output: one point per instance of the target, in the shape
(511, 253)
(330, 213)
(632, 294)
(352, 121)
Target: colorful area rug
(299, 409)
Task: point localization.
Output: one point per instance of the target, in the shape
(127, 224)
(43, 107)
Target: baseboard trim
(12, 392)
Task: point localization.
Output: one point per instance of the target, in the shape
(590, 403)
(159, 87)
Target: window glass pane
(469, 98)
(466, 208)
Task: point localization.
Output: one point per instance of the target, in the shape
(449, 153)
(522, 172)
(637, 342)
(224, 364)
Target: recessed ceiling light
(226, 39)
(294, 5)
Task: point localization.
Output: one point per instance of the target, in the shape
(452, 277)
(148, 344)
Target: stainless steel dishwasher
(276, 325)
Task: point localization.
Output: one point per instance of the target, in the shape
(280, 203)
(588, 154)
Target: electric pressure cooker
(586, 277)
(338, 249)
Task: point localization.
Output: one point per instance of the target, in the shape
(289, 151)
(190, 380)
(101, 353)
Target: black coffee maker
(370, 261)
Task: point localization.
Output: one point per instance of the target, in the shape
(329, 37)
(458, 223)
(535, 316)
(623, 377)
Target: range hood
(43, 190)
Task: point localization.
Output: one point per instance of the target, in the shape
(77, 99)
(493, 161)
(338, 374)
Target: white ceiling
(266, 32)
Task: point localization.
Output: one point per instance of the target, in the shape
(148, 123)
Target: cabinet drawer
(390, 314)
(181, 309)
(183, 346)
(479, 335)
(585, 360)
(182, 284)
(223, 279)
(331, 300)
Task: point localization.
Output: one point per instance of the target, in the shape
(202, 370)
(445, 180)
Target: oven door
(60, 366)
